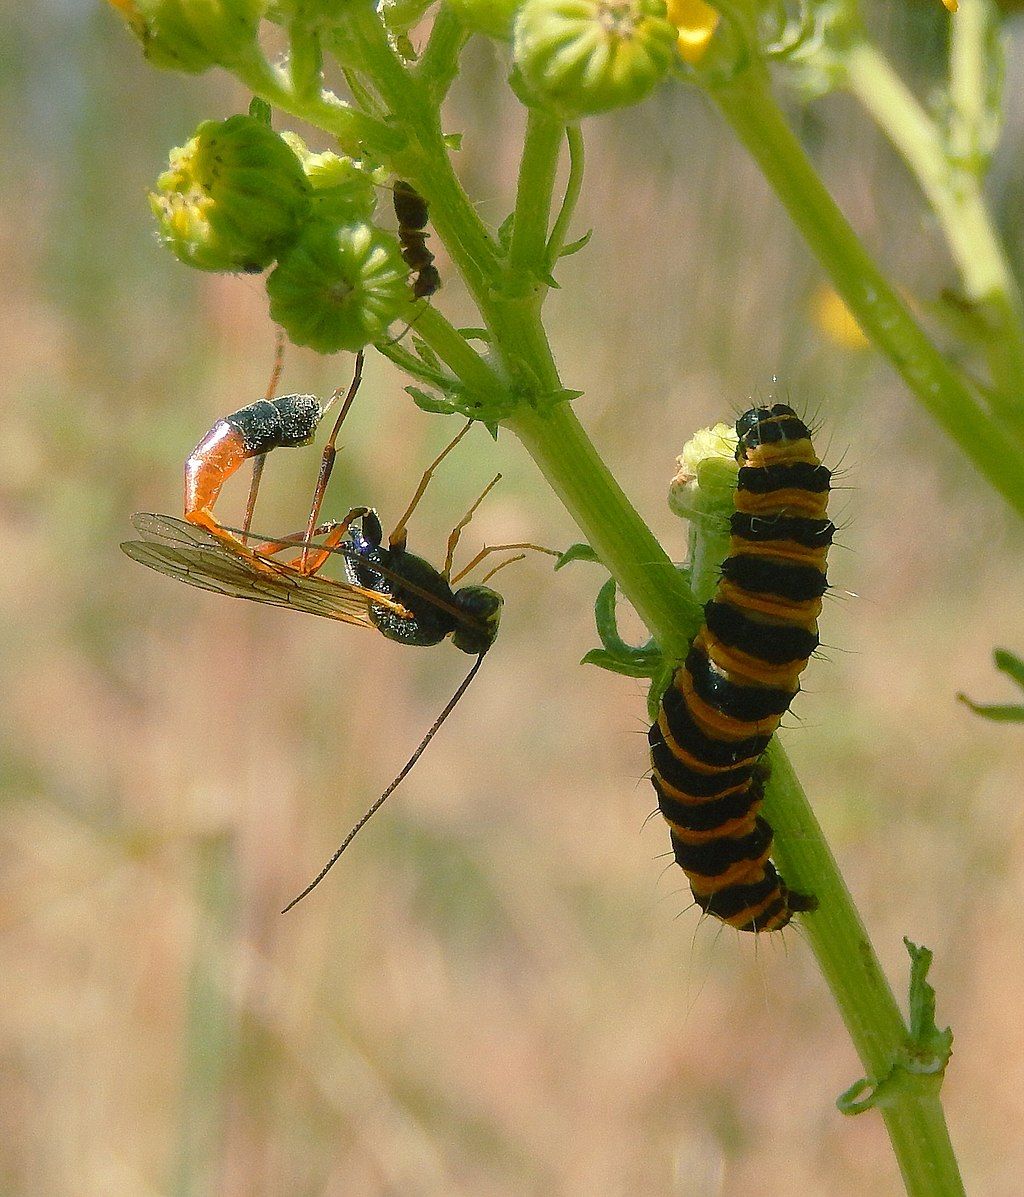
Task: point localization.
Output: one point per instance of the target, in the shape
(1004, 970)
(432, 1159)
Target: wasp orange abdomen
(284, 422)
(741, 674)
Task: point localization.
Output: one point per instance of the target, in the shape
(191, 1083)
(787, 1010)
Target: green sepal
(233, 197)
(339, 288)
(579, 57)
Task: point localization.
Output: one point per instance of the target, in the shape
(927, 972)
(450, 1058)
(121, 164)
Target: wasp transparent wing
(194, 556)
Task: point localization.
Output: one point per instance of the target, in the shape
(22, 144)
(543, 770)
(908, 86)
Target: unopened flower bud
(191, 35)
(339, 288)
(343, 188)
(233, 197)
(586, 56)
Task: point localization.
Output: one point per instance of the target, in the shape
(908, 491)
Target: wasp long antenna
(449, 707)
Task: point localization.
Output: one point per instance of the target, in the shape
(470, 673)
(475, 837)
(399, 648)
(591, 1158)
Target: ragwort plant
(239, 196)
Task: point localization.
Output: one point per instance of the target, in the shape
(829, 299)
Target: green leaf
(996, 712)
(1010, 664)
(577, 552)
(429, 402)
(505, 231)
(614, 664)
(574, 247)
(426, 354)
(920, 1063)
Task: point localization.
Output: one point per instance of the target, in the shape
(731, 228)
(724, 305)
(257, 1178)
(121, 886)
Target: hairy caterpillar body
(741, 674)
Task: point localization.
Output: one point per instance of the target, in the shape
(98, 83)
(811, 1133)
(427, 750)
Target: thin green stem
(573, 187)
(352, 128)
(537, 169)
(973, 46)
(914, 1119)
(952, 187)
(750, 108)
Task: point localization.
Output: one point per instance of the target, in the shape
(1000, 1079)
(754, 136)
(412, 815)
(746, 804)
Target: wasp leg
(456, 532)
(500, 548)
(397, 539)
(327, 458)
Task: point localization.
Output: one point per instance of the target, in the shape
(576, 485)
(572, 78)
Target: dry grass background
(501, 991)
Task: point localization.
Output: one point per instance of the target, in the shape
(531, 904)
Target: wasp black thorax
(471, 613)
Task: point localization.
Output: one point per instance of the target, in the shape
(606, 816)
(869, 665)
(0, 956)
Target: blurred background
(503, 989)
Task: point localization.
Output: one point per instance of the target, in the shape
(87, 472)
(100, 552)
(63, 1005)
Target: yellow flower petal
(696, 22)
(835, 320)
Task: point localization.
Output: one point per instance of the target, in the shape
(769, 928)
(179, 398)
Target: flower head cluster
(240, 197)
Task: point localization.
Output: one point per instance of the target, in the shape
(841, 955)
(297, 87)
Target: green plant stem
(424, 158)
(439, 62)
(573, 468)
(914, 1119)
(573, 186)
(748, 105)
(953, 190)
(537, 169)
(970, 68)
(352, 128)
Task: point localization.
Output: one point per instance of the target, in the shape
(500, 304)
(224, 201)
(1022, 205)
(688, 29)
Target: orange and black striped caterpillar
(742, 672)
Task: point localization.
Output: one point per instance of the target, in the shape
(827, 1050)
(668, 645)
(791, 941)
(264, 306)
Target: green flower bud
(705, 484)
(191, 35)
(232, 198)
(584, 56)
(491, 17)
(339, 288)
(343, 188)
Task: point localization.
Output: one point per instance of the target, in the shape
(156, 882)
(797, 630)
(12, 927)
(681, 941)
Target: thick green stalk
(952, 185)
(913, 1114)
(573, 468)
(746, 100)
